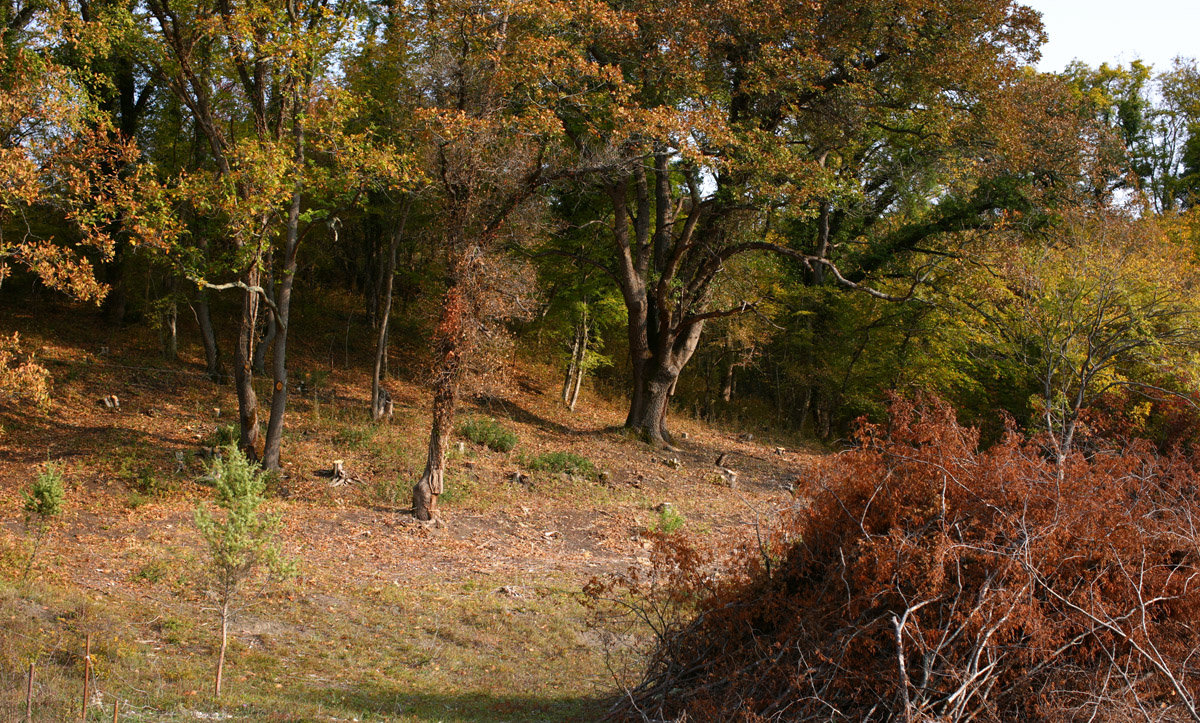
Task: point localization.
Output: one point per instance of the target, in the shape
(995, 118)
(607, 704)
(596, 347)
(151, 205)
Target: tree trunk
(661, 374)
(170, 323)
(804, 407)
(283, 302)
(268, 337)
(727, 386)
(572, 368)
(115, 303)
(650, 420)
(243, 373)
(384, 316)
(580, 367)
(224, 644)
(432, 482)
(214, 367)
(447, 376)
(639, 366)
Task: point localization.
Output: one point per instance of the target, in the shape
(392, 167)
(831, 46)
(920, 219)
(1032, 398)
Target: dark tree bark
(214, 366)
(279, 392)
(271, 328)
(243, 372)
(663, 326)
(381, 345)
(728, 384)
(170, 323)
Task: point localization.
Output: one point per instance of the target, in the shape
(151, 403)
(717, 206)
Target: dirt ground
(479, 619)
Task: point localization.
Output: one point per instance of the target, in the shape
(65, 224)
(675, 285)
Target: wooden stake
(87, 673)
(116, 710)
(29, 695)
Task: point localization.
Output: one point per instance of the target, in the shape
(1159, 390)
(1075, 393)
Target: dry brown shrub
(925, 579)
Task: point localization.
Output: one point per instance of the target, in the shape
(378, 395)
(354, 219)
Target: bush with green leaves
(43, 501)
(489, 433)
(565, 462)
(241, 538)
(45, 497)
(668, 521)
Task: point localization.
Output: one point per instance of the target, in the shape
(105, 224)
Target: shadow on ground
(396, 704)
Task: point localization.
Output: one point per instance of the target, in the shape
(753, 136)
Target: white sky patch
(1118, 31)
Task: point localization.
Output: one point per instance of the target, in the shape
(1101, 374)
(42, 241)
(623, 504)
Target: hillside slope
(388, 620)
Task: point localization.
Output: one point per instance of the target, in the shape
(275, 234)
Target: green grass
(459, 489)
(440, 651)
(353, 437)
(489, 433)
(565, 462)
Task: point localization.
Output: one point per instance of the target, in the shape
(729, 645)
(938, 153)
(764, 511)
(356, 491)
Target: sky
(1098, 31)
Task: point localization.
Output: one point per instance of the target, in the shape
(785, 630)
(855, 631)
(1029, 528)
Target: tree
(57, 157)
(860, 121)
(43, 501)
(1178, 127)
(63, 192)
(240, 542)
(257, 81)
(495, 76)
(1106, 304)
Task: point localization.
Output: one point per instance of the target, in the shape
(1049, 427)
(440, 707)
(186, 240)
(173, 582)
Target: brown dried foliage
(929, 580)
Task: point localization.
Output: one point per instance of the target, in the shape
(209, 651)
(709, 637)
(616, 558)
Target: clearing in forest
(388, 619)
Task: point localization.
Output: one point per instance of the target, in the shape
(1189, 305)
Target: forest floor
(482, 619)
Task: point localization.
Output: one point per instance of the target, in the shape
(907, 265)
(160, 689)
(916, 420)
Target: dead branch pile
(928, 580)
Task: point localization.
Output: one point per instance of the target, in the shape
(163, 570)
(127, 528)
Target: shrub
(565, 462)
(42, 502)
(928, 580)
(668, 521)
(44, 498)
(489, 433)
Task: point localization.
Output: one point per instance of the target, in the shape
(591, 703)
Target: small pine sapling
(240, 542)
(43, 502)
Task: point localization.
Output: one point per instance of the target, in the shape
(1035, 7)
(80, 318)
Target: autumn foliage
(927, 579)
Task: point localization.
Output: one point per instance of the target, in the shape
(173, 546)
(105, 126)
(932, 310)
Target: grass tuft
(565, 462)
(489, 433)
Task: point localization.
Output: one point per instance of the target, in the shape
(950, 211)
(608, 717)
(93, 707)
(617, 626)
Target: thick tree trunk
(243, 373)
(214, 367)
(661, 374)
(650, 419)
(450, 342)
(727, 385)
(639, 361)
(432, 482)
(115, 304)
